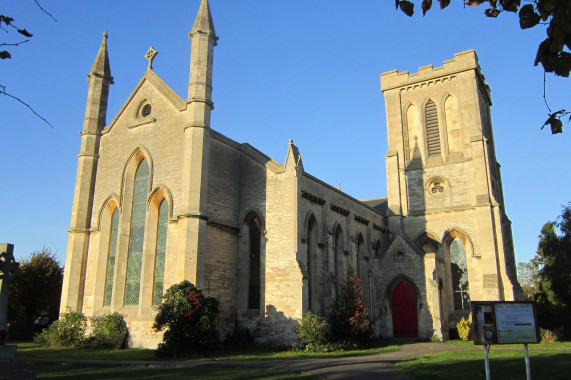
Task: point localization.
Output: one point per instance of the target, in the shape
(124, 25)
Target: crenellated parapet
(429, 75)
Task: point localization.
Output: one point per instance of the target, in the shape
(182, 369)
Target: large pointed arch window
(459, 269)
(254, 281)
(432, 129)
(160, 253)
(111, 255)
(137, 234)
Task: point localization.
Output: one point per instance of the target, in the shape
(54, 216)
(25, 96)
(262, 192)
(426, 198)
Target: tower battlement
(463, 61)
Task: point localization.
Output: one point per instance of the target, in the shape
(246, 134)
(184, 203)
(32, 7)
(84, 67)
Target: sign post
(504, 322)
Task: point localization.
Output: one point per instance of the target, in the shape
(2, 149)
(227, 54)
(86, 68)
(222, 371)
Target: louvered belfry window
(136, 237)
(111, 258)
(160, 253)
(432, 131)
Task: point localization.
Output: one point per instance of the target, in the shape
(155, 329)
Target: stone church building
(161, 197)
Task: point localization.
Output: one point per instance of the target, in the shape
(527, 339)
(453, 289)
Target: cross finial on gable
(151, 53)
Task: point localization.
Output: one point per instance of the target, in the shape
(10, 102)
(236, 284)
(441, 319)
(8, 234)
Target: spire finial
(105, 36)
(203, 23)
(151, 54)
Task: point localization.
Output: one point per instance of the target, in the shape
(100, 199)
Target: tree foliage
(553, 276)
(553, 53)
(349, 318)
(35, 291)
(188, 320)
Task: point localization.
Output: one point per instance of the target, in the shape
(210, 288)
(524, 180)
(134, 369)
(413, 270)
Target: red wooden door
(405, 320)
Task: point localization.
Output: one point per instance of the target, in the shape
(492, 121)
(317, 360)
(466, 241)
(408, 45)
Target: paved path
(379, 366)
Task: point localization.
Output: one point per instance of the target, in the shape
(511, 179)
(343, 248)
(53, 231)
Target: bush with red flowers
(348, 316)
(187, 318)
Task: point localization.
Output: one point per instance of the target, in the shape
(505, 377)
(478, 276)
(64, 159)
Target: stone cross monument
(8, 266)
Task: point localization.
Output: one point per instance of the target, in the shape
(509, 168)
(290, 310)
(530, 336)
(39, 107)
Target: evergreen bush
(311, 332)
(188, 320)
(348, 316)
(108, 331)
(68, 331)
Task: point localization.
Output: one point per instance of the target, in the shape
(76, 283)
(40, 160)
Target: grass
(34, 351)
(505, 364)
(143, 373)
(564, 343)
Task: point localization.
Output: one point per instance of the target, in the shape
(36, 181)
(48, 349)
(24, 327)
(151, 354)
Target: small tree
(35, 291)
(188, 320)
(349, 318)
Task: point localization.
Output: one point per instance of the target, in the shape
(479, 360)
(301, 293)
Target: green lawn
(505, 364)
(143, 373)
(34, 351)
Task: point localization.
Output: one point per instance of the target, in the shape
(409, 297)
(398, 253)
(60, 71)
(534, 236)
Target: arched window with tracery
(432, 129)
(459, 271)
(137, 234)
(254, 281)
(160, 252)
(111, 255)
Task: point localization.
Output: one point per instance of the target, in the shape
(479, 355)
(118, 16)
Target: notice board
(504, 322)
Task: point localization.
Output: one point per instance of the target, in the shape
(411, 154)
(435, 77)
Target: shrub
(108, 331)
(348, 316)
(311, 332)
(435, 339)
(548, 336)
(188, 320)
(463, 329)
(68, 331)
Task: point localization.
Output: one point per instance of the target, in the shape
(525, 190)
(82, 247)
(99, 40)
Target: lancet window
(160, 252)
(111, 255)
(136, 237)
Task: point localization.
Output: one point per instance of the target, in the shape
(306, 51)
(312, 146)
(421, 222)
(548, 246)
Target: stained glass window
(162, 225)
(111, 258)
(136, 237)
(459, 270)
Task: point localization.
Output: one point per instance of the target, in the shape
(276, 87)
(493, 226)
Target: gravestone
(10, 367)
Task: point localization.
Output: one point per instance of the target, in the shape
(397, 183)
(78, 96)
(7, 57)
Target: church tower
(444, 184)
(99, 79)
(193, 219)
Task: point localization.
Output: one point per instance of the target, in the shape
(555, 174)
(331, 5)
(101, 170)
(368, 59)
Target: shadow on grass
(504, 364)
(65, 372)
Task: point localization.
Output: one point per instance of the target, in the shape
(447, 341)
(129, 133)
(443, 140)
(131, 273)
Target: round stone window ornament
(436, 187)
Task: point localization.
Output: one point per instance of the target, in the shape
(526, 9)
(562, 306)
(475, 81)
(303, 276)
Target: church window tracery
(146, 110)
(459, 269)
(160, 253)
(136, 237)
(111, 255)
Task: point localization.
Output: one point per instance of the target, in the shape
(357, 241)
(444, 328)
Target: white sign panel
(515, 323)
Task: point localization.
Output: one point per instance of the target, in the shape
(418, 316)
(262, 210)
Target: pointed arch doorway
(405, 318)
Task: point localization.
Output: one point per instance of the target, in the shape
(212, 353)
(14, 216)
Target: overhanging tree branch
(3, 92)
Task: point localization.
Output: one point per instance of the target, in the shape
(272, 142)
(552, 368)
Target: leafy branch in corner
(553, 53)
(7, 24)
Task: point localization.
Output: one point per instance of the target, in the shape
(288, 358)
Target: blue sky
(301, 69)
